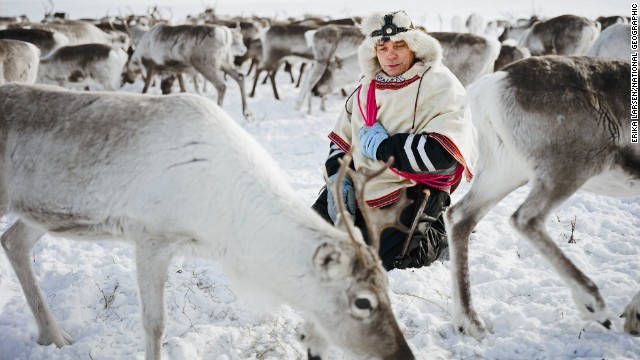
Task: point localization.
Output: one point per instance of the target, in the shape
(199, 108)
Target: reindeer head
(631, 316)
(338, 73)
(120, 40)
(357, 316)
(361, 321)
(133, 69)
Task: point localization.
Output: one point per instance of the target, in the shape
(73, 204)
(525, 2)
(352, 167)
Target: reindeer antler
(125, 22)
(336, 190)
(378, 219)
(47, 13)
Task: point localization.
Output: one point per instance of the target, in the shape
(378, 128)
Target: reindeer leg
(18, 241)
(194, 79)
(239, 78)
(255, 82)
(251, 65)
(529, 220)
(147, 80)
(266, 77)
(152, 261)
(214, 74)
(460, 220)
(272, 76)
(288, 68)
(181, 82)
(304, 93)
(302, 67)
(204, 84)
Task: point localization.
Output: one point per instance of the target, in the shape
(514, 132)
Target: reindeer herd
(549, 100)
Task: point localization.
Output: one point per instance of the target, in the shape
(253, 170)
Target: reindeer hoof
(58, 337)
(471, 326)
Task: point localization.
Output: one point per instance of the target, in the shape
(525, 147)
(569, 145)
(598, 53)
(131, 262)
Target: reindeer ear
(330, 262)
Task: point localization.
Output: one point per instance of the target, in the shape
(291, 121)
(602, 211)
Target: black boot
(429, 240)
(438, 244)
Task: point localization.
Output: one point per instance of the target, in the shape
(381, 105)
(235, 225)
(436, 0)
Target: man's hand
(370, 139)
(348, 197)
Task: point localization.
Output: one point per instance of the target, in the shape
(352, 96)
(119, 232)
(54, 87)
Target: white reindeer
(93, 66)
(18, 61)
(632, 316)
(558, 124)
(116, 165)
(204, 49)
(614, 41)
(327, 42)
(46, 41)
(82, 32)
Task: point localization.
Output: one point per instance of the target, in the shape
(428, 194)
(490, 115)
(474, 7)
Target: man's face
(395, 57)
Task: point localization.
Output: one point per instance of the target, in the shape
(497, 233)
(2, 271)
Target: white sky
(426, 11)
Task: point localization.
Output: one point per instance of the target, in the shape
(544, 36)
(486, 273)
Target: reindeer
(97, 66)
(475, 24)
(327, 42)
(206, 49)
(509, 54)
(115, 166)
(558, 124)
(512, 32)
(6, 21)
(468, 56)
(561, 35)
(614, 41)
(47, 41)
(82, 32)
(18, 61)
(606, 21)
(280, 43)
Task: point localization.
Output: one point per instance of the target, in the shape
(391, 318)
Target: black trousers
(428, 240)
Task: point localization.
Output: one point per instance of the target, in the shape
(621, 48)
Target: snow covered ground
(91, 286)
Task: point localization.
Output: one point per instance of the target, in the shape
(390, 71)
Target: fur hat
(394, 26)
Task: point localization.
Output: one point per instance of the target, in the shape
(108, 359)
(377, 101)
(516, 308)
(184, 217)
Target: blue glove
(348, 197)
(370, 139)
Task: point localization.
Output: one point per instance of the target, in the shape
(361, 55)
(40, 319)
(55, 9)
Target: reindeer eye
(363, 304)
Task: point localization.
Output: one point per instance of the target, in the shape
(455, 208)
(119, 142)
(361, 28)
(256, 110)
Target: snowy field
(91, 286)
